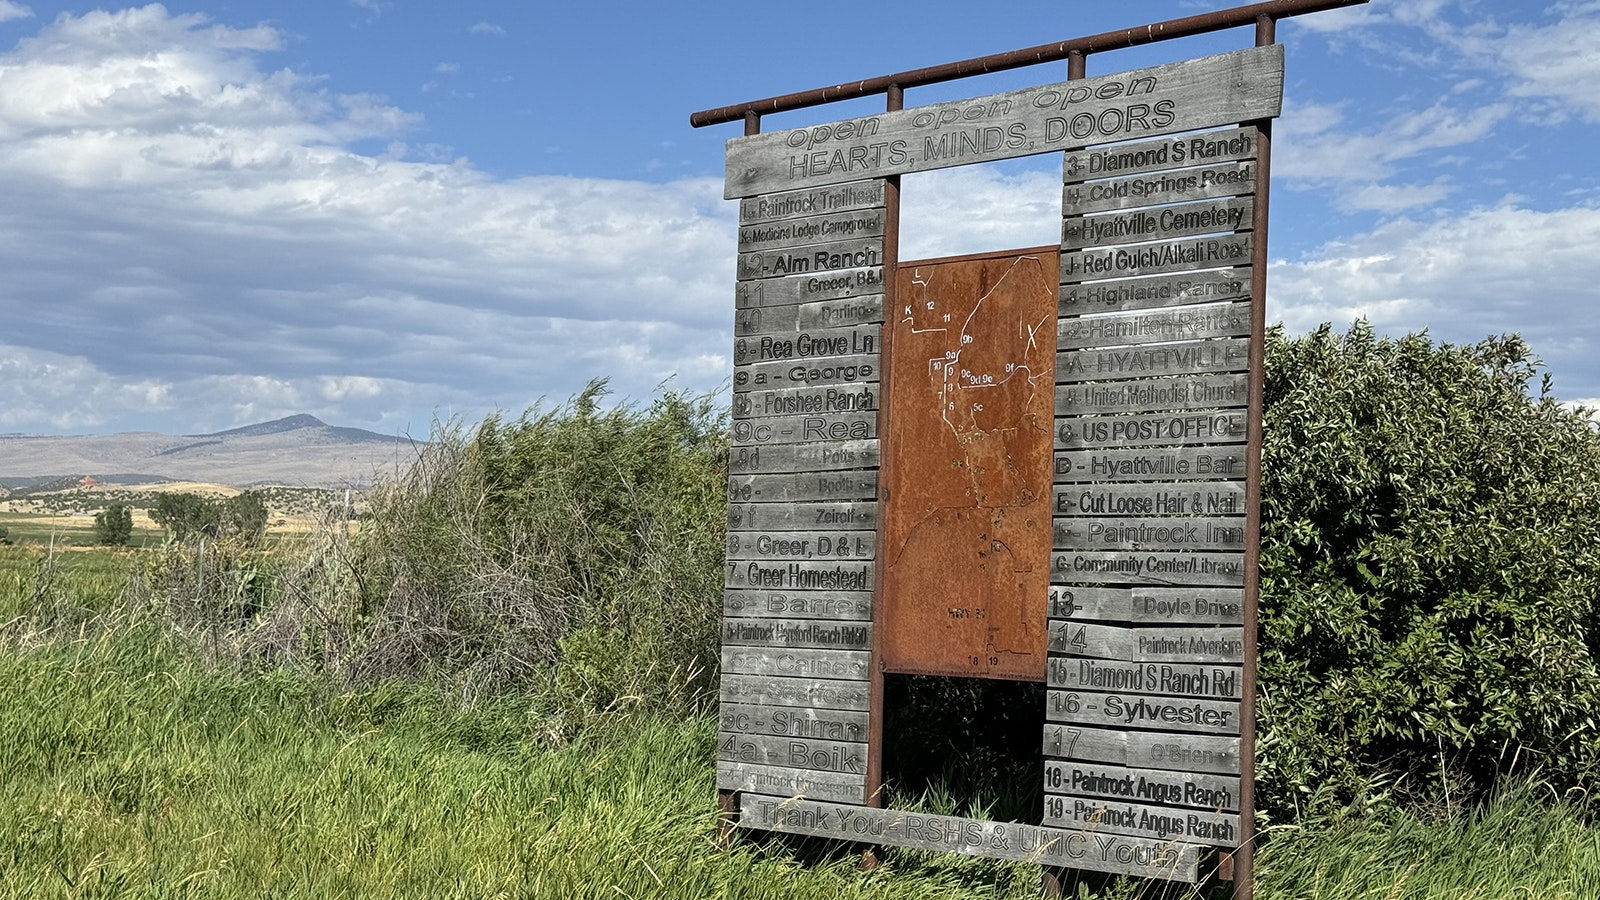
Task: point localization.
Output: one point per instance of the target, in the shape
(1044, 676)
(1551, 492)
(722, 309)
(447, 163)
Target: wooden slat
(1231, 179)
(805, 693)
(1165, 605)
(821, 259)
(1151, 498)
(1200, 93)
(1137, 711)
(826, 456)
(1142, 820)
(1143, 749)
(802, 486)
(1145, 362)
(1163, 326)
(844, 516)
(755, 432)
(799, 722)
(1150, 644)
(859, 367)
(813, 201)
(769, 292)
(1154, 292)
(845, 665)
(1190, 790)
(1136, 567)
(839, 398)
(1158, 224)
(1080, 849)
(1171, 679)
(1203, 391)
(1188, 533)
(842, 313)
(1150, 429)
(793, 753)
(837, 787)
(842, 605)
(806, 346)
(1183, 255)
(801, 545)
(1159, 155)
(1210, 463)
(797, 576)
(793, 634)
(805, 231)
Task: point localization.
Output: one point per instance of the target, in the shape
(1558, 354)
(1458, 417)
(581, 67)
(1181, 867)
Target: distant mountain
(298, 450)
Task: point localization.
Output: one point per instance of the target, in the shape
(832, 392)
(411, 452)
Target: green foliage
(1429, 573)
(188, 516)
(5, 535)
(114, 526)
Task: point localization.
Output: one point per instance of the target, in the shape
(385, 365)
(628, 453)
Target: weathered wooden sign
(1029, 465)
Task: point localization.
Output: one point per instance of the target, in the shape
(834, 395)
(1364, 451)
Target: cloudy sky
(382, 213)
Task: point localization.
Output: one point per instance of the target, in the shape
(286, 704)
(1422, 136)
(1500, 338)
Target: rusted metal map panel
(969, 510)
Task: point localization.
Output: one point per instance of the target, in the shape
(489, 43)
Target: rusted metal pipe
(1111, 40)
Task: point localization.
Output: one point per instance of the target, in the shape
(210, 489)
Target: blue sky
(384, 213)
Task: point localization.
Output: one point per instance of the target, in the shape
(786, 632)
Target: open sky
(385, 212)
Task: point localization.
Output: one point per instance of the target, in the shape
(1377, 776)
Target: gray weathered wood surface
(796, 633)
(805, 346)
(1136, 567)
(1188, 533)
(780, 575)
(787, 665)
(754, 432)
(1138, 711)
(800, 722)
(856, 368)
(820, 457)
(1203, 391)
(842, 313)
(836, 787)
(1159, 155)
(1142, 820)
(1199, 93)
(1140, 605)
(1182, 255)
(857, 282)
(1144, 749)
(772, 690)
(1190, 790)
(812, 201)
(1164, 326)
(800, 486)
(1159, 223)
(805, 231)
(1150, 429)
(837, 398)
(793, 753)
(1172, 679)
(1212, 463)
(841, 516)
(1231, 179)
(1154, 291)
(801, 545)
(821, 259)
(1151, 498)
(843, 605)
(1147, 361)
(1079, 849)
(1151, 644)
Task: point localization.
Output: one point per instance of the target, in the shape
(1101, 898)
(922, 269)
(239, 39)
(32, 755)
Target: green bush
(1429, 572)
(114, 526)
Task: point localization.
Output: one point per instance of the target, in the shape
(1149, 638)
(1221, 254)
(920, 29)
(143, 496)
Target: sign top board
(1200, 93)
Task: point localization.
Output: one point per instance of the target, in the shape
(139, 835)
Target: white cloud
(9, 9)
(486, 28)
(1559, 60)
(448, 68)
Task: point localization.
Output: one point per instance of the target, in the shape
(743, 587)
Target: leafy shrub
(1429, 572)
(114, 526)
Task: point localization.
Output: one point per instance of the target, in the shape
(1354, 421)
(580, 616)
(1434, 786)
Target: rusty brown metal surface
(999, 62)
(965, 558)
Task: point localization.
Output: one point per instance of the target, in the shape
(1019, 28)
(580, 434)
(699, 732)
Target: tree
(1429, 571)
(114, 526)
(245, 515)
(187, 515)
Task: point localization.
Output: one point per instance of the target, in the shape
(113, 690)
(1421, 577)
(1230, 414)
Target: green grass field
(134, 771)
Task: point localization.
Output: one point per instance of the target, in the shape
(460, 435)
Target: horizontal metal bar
(1000, 62)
